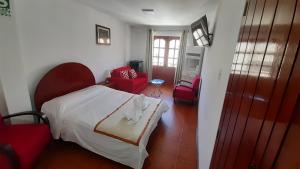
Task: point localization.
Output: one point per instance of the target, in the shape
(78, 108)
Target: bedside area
(109, 84)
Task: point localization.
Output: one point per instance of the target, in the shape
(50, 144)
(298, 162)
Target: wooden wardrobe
(260, 122)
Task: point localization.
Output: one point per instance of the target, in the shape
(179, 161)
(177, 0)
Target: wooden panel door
(165, 73)
(279, 136)
(165, 57)
(289, 154)
(260, 131)
(262, 66)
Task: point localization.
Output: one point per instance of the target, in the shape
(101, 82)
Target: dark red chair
(136, 85)
(187, 92)
(21, 144)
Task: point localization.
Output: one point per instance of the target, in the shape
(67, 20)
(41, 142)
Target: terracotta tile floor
(172, 145)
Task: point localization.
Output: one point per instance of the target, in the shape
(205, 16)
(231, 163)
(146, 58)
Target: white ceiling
(166, 12)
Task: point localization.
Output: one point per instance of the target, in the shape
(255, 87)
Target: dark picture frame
(102, 35)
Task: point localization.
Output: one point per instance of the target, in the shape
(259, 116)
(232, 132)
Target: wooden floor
(172, 145)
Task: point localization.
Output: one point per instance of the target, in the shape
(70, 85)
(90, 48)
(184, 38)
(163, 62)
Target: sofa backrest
(116, 72)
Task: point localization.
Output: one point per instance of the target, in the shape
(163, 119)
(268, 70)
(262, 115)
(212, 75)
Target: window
(165, 51)
(159, 52)
(173, 53)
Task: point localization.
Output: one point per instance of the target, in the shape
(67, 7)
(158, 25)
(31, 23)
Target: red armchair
(136, 85)
(187, 92)
(21, 144)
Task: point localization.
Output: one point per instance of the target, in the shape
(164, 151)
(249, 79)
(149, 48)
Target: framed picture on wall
(5, 8)
(102, 35)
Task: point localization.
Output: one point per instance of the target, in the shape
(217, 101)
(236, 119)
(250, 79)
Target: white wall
(14, 94)
(138, 42)
(57, 31)
(215, 72)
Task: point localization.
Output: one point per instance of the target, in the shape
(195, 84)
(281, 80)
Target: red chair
(21, 144)
(136, 85)
(187, 92)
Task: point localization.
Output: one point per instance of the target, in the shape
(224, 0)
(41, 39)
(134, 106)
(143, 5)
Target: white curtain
(148, 59)
(181, 55)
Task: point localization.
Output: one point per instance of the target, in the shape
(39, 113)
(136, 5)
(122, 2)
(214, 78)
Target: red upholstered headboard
(62, 79)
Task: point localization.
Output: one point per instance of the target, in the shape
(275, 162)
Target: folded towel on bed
(140, 105)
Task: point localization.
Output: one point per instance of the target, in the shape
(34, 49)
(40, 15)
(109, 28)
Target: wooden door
(282, 134)
(165, 73)
(262, 66)
(289, 153)
(165, 57)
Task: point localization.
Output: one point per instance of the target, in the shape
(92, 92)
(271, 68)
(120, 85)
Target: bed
(82, 112)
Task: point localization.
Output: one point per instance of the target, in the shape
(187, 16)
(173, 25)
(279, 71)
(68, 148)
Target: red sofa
(136, 85)
(21, 144)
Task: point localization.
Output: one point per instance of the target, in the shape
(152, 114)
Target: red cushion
(124, 74)
(184, 93)
(116, 72)
(132, 74)
(28, 141)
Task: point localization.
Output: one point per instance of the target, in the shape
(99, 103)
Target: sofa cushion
(28, 141)
(116, 72)
(124, 74)
(132, 74)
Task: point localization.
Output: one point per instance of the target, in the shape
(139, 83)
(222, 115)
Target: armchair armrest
(41, 116)
(184, 81)
(183, 86)
(9, 152)
(186, 86)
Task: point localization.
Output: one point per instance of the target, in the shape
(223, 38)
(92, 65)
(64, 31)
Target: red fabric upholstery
(136, 85)
(4, 162)
(116, 72)
(1, 122)
(124, 74)
(184, 92)
(27, 140)
(132, 74)
(196, 83)
(189, 93)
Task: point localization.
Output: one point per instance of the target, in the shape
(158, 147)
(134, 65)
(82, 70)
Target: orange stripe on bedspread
(124, 139)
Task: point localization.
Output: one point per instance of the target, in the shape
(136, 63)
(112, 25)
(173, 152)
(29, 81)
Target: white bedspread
(74, 116)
